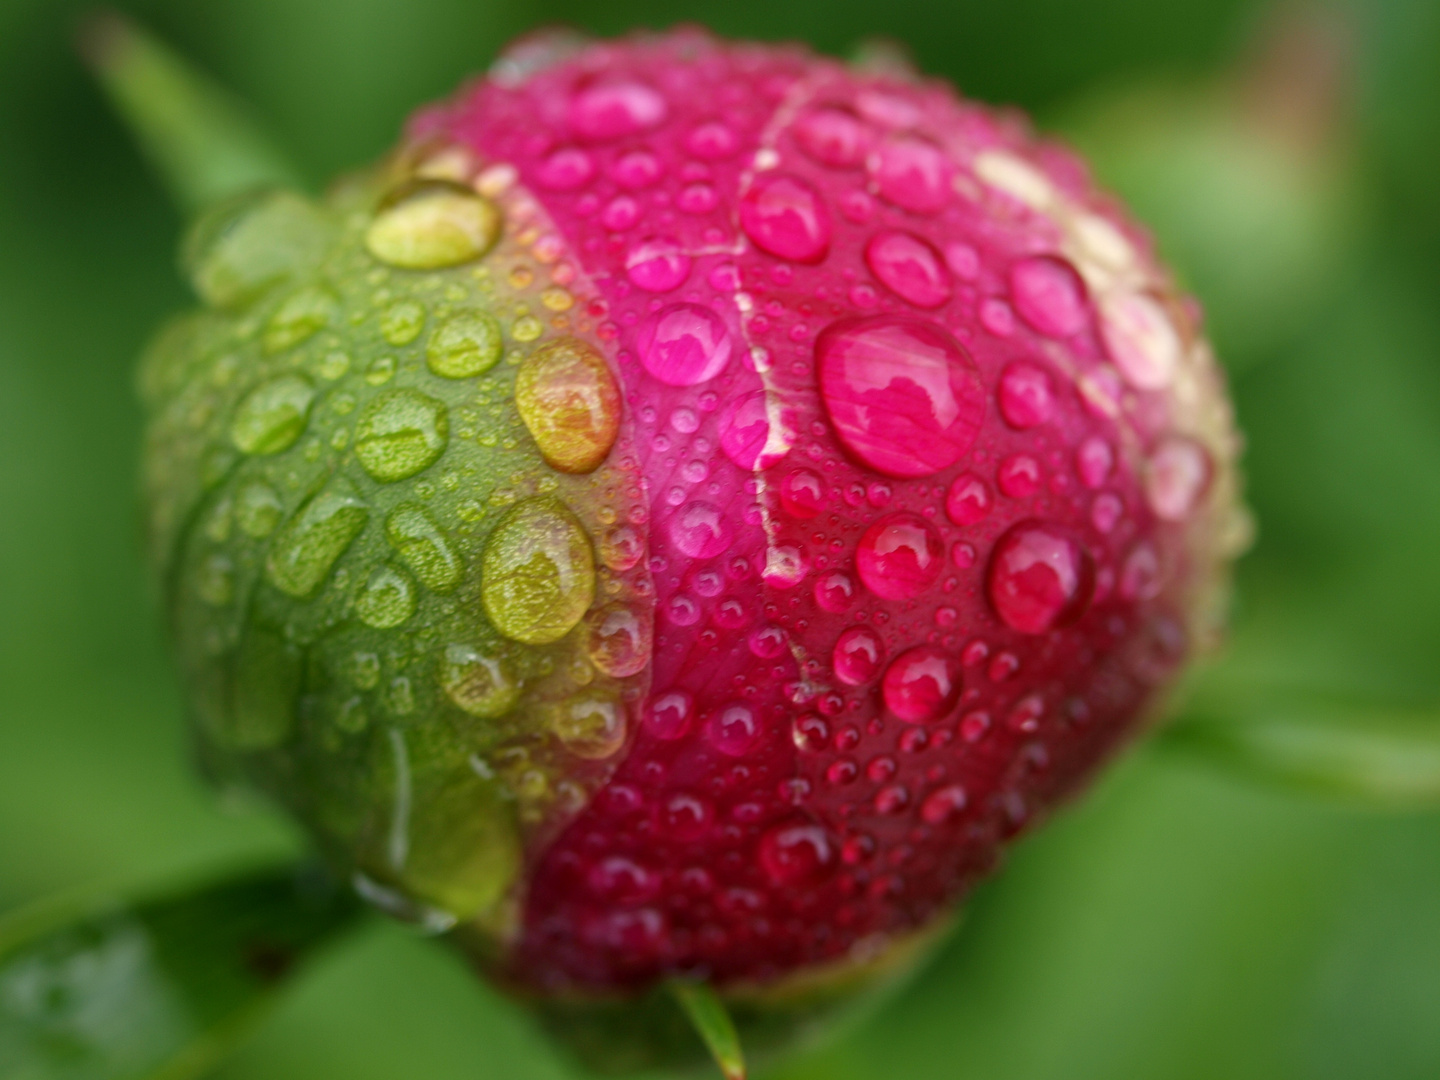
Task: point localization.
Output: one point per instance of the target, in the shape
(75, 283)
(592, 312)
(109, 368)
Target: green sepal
(160, 988)
(713, 1024)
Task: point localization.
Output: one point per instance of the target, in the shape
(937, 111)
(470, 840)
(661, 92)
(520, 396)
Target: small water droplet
(320, 532)
(620, 213)
(257, 509)
(1141, 339)
(467, 344)
(685, 817)
(1039, 578)
(272, 416)
(1049, 295)
(636, 169)
(700, 530)
(658, 264)
(747, 436)
(620, 640)
(734, 729)
(786, 217)
(968, 500)
(858, 656)
(402, 322)
(922, 684)
(684, 345)
(481, 685)
(835, 592)
(567, 168)
(432, 224)
(401, 432)
(1026, 396)
(943, 804)
(697, 199)
(590, 725)
(796, 854)
(387, 599)
(215, 581)
(669, 715)
(1178, 475)
(570, 404)
(1019, 476)
(909, 267)
(832, 137)
(802, 494)
(299, 318)
(1093, 461)
(621, 548)
(900, 556)
(537, 572)
(610, 109)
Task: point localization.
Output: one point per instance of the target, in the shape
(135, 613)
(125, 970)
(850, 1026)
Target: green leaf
(707, 1012)
(160, 989)
(1364, 752)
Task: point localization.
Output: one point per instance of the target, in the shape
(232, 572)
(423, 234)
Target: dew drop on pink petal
(669, 715)
(1141, 339)
(968, 500)
(658, 264)
(902, 394)
(1019, 476)
(900, 556)
(565, 169)
(1093, 461)
(683, 816)
(700, 530)
(857, 656)
(1140, 575)
(623, 880)
(912, 174)
(785, 566)
(943, 804)
(620, 213)
(802, 494)
(745, 434)
(796, 854)
(683, 345)
(1049, 295)
(835, 592)
(697, 199)
(712, 140)
(1026, 397)
(909, 267)
(922, 684)
(607, 110)
(1178, 476)
(767, 642)
(832, 137)
(733, 729)
(636, 169)
(1039, 578)
(786, 217)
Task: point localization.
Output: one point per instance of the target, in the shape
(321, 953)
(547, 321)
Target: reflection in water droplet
(835, 592)
(912, 173)
(1039, 578)
(400, 433)
(968, 500)
(922, 684)
(734, 729)
(700, 530)
(481, 685)
(900, 556)
(420, 541)
(669, 715)
(904, 397)
(568, 399)
(786, 217)
(796, 854)
(272, 416)
(432, 224)
(1026, 397)
(712, 140)
(1093, 461)
(621, 548)
(658, 264)
(620, 640)
(537, 572)
(467, 344)
(591, 724)
(802, 494)
(857, 656)
(636, 169)
(1049, 295)
(943, 804)
(910, 267)
(684, 345)
(309, 544)
(402, 322)
(387, 598)
(746, 435)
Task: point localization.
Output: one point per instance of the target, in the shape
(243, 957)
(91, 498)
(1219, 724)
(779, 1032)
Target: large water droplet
(1049, 295)
(481, 685)
(1026, 397)
(658, 264)
(1039, 578)
(832, 137)
(568, 399)
(910, 267)
(786, 217)
(414, 533)
(610, 109)
(912, 173)
(537, 572)
(857, 656)
(1141, 339)
(467, 344)
(591, 724)
(319, 533)
(1178, 476)
(272, 416)
(747, 436)
(900, 556)
(387, 599)
(432, 224)
(904, 397)
(620, 640)
(796, 854)
(700, 530)
(922, 684)
(684, 345)
(400, 433)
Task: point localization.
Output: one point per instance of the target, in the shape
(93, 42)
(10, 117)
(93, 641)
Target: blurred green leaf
(159, 989)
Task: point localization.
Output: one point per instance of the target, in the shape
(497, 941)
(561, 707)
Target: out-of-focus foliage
(1179, 923)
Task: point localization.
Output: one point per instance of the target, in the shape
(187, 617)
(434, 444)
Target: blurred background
(1179, 922)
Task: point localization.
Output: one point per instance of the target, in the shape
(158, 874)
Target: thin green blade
(161, 989)
(202, 141)
(1366, 753)
(707, 1012)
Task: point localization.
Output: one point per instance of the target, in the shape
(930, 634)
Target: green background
(1177, 923)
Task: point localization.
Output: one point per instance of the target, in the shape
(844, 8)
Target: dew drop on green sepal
(309, 543)
(400, 433)
(591, 724)
(467, 344)
(299, 317)
(272, 416)
(483, 686)
(537, 572)
(244, 246)
(264, 686)
(387, 599)
(430, 224)
(402, 322)
(257, 509)
(414, 534)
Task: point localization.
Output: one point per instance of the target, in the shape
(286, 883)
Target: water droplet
(1093, 461)
(1039, 578)
(1019, 476)
(620, 640)
(658, 264)
(909, 267)
(768, 642)
(700, 530)
(785, 566)
(697, 199)
(912, 173)
(1106, 511)
(892, 799)
(299, 318)
(900, 556)
(712, 140)
(943, 804)
(835, 592)
(591, 725)
(215, 582)
(922, 684)
(400, 433)
(387, 599)
(565, 169)
(424, 546)
(968, 500)
(402, 322)
(537, 573)
(309, 544)
(746, 434)
(432, 224)
(1178, 476)
(481, 685)
(904, 397)
(683, 816)
(1140, 578)
(1014, 176)
(568, 399)
(684, 345)
(786, 217)
(237, 250)
(796, 854)
(272, 416)
(466, 345)
(802, 494)
(857, 656)
(1026, 397)
(257, 509)
(1049, 295)
(611, 109)
(636, 169)
(621, 548)
(670, 714)
(832, 137)
(734, 729)
(1141, 339)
